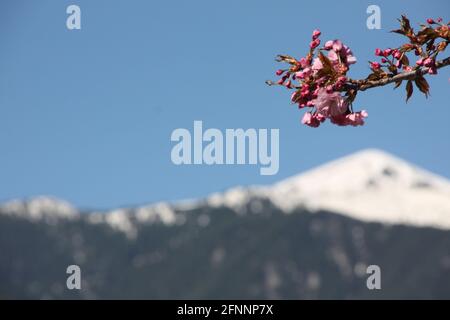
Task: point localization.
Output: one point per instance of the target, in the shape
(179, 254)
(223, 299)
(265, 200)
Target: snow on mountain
(126, 219)
(370, 185)
(42, 207)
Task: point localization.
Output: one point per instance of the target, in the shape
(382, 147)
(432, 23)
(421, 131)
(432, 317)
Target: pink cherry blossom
(337, 45)
(328, 45)
(351, 59)
(348, 55)
(317, 64)
(352, 119)
(303, 63)
(310, 120)
(333, 56)
(341, 52)
(313, 120)
(303, 74)
(357, 118)
(329, 104)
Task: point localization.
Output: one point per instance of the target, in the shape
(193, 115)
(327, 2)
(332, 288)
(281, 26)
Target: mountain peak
(370, 185)
(363, 169)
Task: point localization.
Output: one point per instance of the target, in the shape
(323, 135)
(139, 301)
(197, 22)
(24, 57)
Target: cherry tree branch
(362, 85)
(321, 84)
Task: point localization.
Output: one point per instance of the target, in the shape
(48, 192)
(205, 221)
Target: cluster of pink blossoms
(395, 60)
(318, 80)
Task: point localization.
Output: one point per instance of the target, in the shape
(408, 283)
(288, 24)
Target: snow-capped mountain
(370, 185)
(306, 237)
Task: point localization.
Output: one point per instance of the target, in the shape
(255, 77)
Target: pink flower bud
(407, 68)
(430, 21)
(279, 72)
(383, 60)
(378, 52)
(387, 52)
(316, 33)
(294, 96)
(428, 62)
(439, 20)
(397, 54)
(314, 44)
(375, 65)
(419, 62)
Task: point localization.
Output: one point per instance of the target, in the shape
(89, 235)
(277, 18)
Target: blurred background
(86, 176)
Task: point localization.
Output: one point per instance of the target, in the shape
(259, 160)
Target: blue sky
(86, 115)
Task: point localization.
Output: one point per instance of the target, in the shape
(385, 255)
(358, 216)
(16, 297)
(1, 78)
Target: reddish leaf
(405, 60)
(405, 23)
(327, 65)
(422, 84)
(409, 90)
(400, 31)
